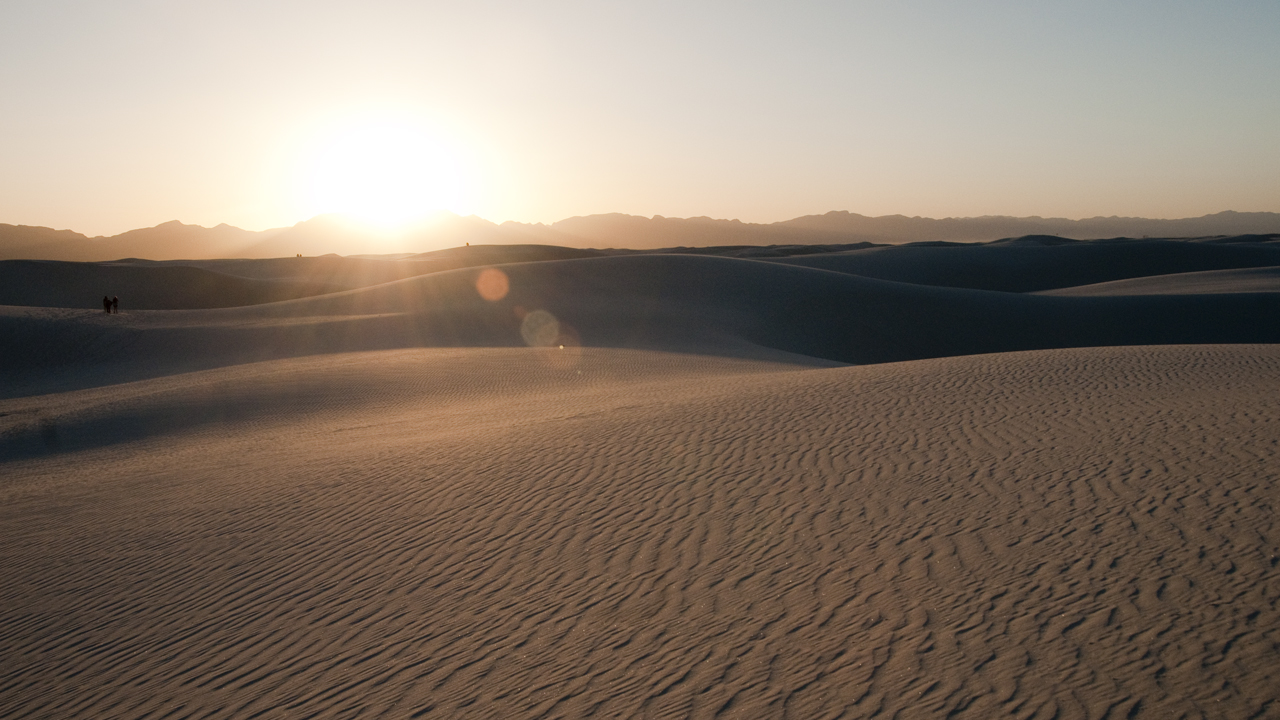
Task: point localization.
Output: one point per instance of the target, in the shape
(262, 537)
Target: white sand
(379, 503)
(707, 305)
(489, 533)
(1239, 280)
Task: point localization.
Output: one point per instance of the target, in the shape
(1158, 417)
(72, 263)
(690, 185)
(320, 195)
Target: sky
(125, 114)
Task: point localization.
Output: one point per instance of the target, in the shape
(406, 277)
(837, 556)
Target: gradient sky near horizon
(127, 114)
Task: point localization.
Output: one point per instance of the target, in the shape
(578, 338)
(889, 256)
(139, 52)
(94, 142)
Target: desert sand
(650, 486)
(1251, 280)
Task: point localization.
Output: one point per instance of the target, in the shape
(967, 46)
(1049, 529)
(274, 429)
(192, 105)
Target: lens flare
(567, 352)
(540, 329)
(492, 284)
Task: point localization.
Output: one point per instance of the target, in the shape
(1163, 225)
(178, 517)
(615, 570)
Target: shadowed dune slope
(149, 286)
(1018, 265)
(1079, 533)
(353, 272)
(1250, 280)
(1033, 265)
(194, 284)
(712, 305)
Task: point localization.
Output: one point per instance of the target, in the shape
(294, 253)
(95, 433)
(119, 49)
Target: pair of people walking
(110, 304)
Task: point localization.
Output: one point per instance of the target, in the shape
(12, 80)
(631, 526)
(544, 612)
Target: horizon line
(434, 217)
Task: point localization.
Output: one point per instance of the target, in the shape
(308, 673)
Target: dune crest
(722, 306)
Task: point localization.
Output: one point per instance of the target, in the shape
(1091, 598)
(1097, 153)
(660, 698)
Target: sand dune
(710, 305)
(1250, 280)
(476, 532)
(473, 255)
(196, 284)
(1032, 265)
(1019, 265)
(648, 485)
(145, 286)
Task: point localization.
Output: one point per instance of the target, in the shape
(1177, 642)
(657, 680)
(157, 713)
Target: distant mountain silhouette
(335, 234)
(896, 229)
(167, 241)
(339, 235)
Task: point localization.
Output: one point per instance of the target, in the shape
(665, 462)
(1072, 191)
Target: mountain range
(335, 234)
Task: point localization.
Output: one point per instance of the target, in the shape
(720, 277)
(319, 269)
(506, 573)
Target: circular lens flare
(492, 284)
(567, 352)
(540, 329)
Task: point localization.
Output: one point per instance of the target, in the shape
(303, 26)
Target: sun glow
(388, 172)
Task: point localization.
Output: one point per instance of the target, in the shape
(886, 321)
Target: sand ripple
(480, 533)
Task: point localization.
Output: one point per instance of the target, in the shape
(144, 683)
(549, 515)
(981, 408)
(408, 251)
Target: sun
(387, 172)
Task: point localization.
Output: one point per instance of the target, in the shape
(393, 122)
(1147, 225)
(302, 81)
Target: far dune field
(1032, 478)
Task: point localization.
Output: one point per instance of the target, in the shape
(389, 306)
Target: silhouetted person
(106, 304)
(115, 304)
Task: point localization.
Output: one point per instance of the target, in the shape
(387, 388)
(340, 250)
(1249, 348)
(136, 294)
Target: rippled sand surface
(530, 532)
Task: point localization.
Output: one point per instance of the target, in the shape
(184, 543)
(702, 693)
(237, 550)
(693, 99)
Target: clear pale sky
(125, 114)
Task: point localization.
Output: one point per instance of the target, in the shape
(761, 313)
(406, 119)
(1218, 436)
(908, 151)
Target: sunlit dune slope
(472, 255)
(712, 305)
(454, 381)
(191, 284)
(351, 272)
(478, 533)
(1248, 280)
(1044, 264)
(341, 272)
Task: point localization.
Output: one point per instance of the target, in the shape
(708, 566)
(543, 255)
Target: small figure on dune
(106, 304)
(115, 305)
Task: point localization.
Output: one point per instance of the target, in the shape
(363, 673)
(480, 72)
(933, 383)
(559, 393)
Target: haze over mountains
(335, 234)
